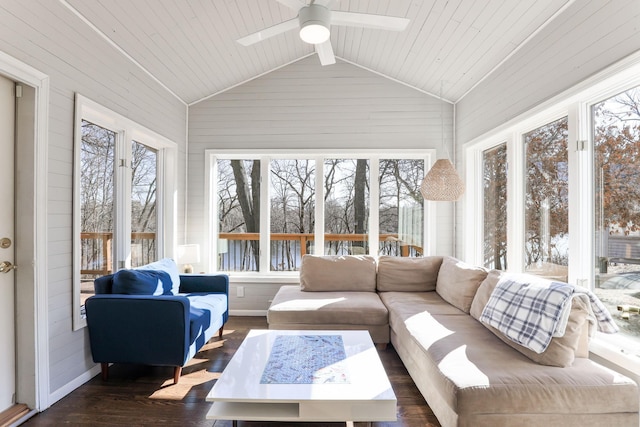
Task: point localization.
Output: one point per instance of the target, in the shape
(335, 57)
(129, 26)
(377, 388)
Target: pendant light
(442, 182)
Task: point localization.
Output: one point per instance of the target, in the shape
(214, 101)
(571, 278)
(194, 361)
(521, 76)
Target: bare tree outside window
(239, 213)
(346, 183)
(144, 224)
(401, 209)
(494, 186)
(97, 152)
(292, 212)
(616, 135)
(546, 247)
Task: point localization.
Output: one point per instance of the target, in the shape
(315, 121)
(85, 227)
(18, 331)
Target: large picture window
(494, 188)
(119, 211)
(314, 204)
(616, 136)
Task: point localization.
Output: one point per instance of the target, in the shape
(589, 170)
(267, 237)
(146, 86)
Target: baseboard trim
(256, 313)
(74, 384)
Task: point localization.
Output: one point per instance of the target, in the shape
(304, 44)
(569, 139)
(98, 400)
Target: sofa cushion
(203, 308)
(465, 365)
(142, 282)
(458, 282)
(292, 305)
(169, 266)
(327, 273)
(484, 293)
(408, 274)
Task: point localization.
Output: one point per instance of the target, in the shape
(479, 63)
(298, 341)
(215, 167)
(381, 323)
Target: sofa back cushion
(168, 266)
(141, 282)
(408, 274)
(338, 273)
(458, 282)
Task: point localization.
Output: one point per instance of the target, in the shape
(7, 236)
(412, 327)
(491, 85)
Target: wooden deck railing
(97, 249)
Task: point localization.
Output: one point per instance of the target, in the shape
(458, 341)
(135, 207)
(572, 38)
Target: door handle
(6, 266)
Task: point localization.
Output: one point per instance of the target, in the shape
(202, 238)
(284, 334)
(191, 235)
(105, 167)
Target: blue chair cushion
(142, 282)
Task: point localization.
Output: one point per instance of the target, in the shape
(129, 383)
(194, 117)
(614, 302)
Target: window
(119, 214)
(314, 204)
(546, 221)
(401, 205)
(494, 186)
(616, 137)
(346, 206)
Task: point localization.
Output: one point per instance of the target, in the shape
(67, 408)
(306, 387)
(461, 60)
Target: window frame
(211, 202)
(126, 131)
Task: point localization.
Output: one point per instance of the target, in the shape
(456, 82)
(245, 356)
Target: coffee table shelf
(367, 396)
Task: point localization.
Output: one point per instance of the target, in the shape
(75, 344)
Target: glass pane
(494, 186)
(547, 201)
(239, 215)
(346, 209)
(144, 224)
(97, 154)
(292, 212)
(616, 134)
(401, 207)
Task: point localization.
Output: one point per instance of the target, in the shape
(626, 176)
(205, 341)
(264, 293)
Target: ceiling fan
(315, 20)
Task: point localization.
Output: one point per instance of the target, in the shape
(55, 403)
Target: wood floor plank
(144, 395)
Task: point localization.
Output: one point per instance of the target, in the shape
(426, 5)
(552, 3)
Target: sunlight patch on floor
(170, 391)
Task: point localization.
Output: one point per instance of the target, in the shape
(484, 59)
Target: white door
(7, 308)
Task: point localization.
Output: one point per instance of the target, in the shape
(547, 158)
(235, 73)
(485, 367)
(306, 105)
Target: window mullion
(374, 206)
(318, 246)
(122, 240)
(265, 217)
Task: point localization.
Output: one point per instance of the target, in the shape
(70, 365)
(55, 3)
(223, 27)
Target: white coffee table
(366, 395)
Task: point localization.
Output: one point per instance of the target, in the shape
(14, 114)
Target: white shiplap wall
(47, 36)
(587, 37)
(304, 105)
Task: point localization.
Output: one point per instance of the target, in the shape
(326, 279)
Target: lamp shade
(442, 183)
(188, 254)
(314, 24)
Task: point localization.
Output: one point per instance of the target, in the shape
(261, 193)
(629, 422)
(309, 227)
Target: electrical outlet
(240, 291)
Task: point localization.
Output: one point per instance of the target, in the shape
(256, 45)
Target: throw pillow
(458, 282)
(170, 267)
(408, 274)
(338, 273)
(142, 282)
(484, 293)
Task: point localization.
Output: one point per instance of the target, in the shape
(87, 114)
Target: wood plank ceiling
(189, 45)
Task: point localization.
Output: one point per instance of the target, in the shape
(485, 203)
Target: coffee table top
(242, 379)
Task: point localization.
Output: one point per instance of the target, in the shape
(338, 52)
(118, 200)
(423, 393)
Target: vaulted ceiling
(189, 46)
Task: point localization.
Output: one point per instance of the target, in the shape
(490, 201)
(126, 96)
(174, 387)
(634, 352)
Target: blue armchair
(161, 330)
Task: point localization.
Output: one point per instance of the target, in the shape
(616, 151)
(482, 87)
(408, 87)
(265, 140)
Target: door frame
(32, 377)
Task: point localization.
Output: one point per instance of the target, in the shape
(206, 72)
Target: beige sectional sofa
(469, 374)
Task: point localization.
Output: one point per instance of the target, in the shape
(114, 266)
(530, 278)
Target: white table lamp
(187, 255)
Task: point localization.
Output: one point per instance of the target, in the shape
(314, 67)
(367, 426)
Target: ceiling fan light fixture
(314, 24)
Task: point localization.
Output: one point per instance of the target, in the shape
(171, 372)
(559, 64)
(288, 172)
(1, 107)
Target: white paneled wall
(587, 37)
(77, 60)
(304, 105)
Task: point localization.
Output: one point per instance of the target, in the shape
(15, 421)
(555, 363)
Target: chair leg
(220, 332)
(104, 367)
(177, 371)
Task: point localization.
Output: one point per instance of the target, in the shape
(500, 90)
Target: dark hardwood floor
(146, 396)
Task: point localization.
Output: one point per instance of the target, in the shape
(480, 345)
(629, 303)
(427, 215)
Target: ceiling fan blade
(293, 4)
(268, 32)
(367, 20)
(325, 53)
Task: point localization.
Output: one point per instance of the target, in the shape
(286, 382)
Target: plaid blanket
(531, 314)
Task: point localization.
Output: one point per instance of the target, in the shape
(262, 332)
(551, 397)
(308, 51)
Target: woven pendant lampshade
(442, 183)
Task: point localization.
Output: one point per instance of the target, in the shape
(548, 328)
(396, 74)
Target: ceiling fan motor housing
(314, 23)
